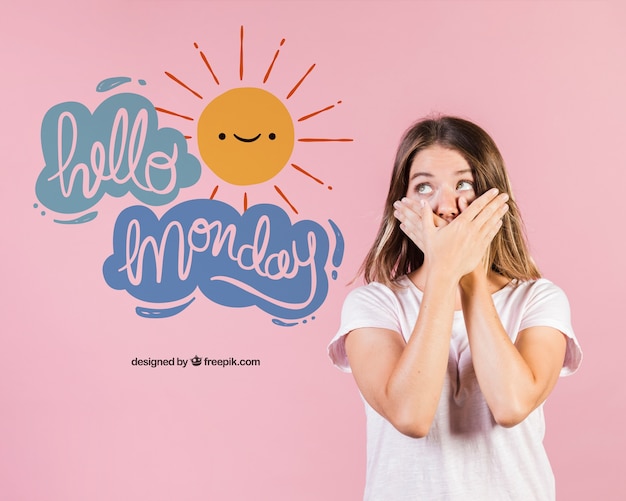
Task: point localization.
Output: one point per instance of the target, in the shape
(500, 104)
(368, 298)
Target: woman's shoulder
(535, 303)
(533, 290)
(395, 291)
(373, 305)
(542, 303)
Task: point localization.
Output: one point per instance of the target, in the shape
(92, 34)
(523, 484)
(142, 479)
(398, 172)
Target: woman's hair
(393, 254)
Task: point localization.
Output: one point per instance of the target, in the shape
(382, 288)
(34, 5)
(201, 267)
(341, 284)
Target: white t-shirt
(466, 455)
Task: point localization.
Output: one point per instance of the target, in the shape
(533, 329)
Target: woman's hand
(460, 245)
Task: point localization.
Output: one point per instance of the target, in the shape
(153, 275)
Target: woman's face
(441, 177)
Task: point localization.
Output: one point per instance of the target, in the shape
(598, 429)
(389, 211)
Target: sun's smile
(244, 140)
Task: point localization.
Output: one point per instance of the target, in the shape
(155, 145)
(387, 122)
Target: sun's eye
(424, 189)
(465, 186)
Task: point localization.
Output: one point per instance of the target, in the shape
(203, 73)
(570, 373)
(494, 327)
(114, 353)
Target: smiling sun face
(245, 136)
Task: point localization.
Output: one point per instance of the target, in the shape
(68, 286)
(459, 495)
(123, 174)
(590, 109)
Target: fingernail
(397, 204)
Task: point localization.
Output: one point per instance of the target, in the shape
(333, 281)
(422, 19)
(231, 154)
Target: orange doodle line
(206, 62)
(179, 82)
(241, 54)
(306, 117)
(300, 169)
(163, 110)
(214, 192)
(322, 139)
(300, 81)
(269, 70)
(278, 190)
(245, 201)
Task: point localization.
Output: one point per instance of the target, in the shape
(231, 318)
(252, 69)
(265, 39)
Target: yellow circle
(245, 135)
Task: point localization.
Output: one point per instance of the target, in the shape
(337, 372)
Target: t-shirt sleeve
(372, 305)
(548, 306)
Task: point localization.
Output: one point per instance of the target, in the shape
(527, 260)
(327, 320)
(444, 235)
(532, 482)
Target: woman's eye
(423, 189)
(465, 186)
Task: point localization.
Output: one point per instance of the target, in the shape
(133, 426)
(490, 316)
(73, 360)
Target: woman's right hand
(459, 246)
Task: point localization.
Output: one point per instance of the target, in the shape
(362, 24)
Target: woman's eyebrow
(428, 174)
(418, 174)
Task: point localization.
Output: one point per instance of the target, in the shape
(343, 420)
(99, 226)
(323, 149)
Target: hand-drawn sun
(246, 135)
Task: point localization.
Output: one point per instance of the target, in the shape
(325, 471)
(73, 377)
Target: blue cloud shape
(258, 258)
(117, 150)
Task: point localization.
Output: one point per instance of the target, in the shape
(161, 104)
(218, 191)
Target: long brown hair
(393, 254)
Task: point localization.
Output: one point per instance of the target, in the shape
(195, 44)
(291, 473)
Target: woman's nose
(447, 205)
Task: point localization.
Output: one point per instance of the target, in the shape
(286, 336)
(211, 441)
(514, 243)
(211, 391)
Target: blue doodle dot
(35, 205)
(304, 321)
(312, 318)
(43, 212)
(334, 274)
(141, 82)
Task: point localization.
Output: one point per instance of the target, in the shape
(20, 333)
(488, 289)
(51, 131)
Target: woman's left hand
(408, 212)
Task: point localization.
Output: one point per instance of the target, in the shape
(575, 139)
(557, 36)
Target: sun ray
(269, 70)
(241, 54)
(277, 159)
(179, 82)
(300, 81)
(206, 62)
(311, 115)
(163, 110)
(300, 169)
(282, 195)
(323, 139)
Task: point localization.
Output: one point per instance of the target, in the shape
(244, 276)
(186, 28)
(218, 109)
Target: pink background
(78, 422)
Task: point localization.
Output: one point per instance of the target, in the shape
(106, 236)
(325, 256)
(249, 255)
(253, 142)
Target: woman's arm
(514, 378)
(403, 382)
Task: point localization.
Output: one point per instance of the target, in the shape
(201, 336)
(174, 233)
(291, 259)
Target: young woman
(455, 342)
